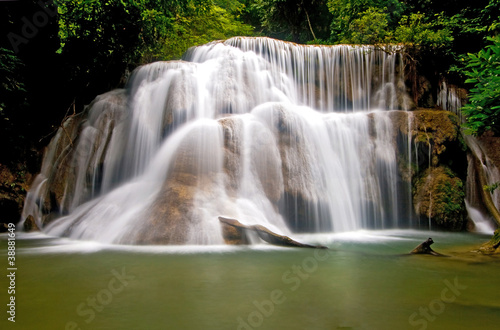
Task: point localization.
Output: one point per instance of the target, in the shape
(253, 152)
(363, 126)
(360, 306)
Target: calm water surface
(362, 282)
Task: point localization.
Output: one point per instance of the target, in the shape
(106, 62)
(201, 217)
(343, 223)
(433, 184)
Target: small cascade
(481, 222)
(475, 191)
(451, 98)
(295, 138)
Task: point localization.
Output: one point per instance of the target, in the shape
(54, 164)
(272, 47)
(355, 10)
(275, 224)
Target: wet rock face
(193, 174)
(74, 159)
(232, 152)
(299, 202)
(170, 216)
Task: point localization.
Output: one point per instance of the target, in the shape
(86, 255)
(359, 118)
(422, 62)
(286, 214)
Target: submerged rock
(30, 224)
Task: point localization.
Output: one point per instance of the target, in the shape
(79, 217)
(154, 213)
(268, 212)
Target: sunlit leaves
(417, 30)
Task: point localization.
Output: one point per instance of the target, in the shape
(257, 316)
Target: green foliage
(483, 72)
(491, 188)
(439, 193)
(370, 28)
(215, 23)
(100, 38)
(295, 20)
(417, 30)
(127, 32)
(453, 195)
(105, 38)
(353, 16)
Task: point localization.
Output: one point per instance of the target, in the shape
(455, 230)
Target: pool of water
(363, 281)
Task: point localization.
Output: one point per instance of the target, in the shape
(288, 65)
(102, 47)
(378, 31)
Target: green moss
(493, 246)
(439, 194)
(435, 128)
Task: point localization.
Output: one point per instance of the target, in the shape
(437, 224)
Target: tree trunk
(264, 233)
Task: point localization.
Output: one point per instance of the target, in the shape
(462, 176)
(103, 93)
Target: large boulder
(193, 174)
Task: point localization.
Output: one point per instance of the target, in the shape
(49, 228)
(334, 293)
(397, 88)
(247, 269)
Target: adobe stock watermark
(293, 278)
(97, 303)
(437, 306)
(31, 26)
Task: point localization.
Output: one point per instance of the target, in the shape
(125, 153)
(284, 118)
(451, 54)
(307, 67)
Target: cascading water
(296, 138)
(452, 98)
(479, 164)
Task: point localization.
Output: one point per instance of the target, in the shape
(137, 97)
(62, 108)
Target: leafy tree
(106, 37)
(295, 20)
(99, 39)
(350, 15)
(215, 23)
(483, 109)
(417, 30)
(370, 28)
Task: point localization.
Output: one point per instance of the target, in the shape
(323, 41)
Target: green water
(361, 282)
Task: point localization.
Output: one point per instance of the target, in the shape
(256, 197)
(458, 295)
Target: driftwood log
(235, 232)
(425, 248)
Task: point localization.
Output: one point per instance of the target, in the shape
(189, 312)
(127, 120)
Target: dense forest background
(56, 56)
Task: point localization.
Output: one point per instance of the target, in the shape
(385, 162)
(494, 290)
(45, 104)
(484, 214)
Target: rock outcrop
(437, 168)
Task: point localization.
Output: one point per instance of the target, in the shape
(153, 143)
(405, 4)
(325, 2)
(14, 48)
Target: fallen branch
(264, 233)
(425, 248)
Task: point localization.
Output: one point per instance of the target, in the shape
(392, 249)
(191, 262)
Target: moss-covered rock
(437, 130)
(439, 194)
(493, 246)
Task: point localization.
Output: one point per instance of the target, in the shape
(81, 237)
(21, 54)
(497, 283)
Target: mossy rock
(493, 246)
(439, 194)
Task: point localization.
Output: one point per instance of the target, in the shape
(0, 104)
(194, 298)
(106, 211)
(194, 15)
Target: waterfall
(296, 138)
(451, 98)
(479, 161)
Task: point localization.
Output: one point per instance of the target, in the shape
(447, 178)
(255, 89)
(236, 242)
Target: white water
(448, 98)
(296, 138)
(482, 222)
